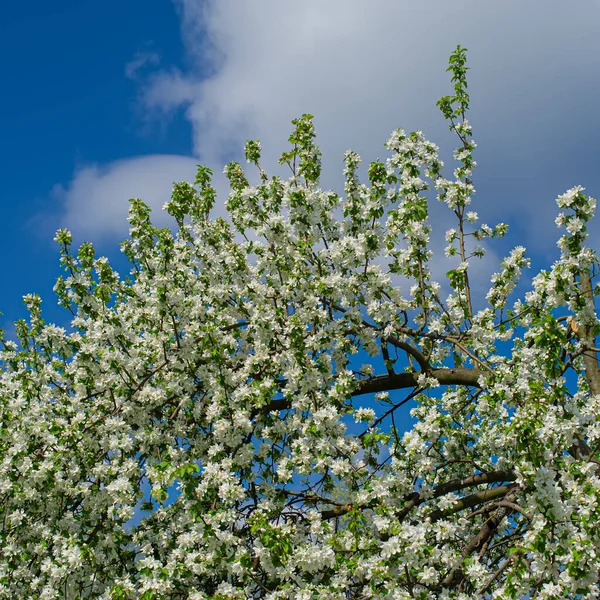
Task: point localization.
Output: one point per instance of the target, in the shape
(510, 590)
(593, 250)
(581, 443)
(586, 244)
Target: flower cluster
(206, 428)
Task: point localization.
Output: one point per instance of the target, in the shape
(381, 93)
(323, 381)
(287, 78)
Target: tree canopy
(206, 428)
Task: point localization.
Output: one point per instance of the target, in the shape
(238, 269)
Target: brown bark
(395, 381)
(415, 498)
(585, 333)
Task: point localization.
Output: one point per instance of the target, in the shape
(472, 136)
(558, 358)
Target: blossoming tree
(204, 432)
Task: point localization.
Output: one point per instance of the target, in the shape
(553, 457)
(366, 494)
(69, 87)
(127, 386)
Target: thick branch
(415, 498)
(486, 532)
(394, 341)
(414, 352)
(455, 485)
(446, 376)
(590, 359)
(580, 450)
(472, 500)
(395, 381)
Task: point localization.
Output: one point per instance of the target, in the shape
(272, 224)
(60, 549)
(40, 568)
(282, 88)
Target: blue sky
(67, 102)
(103, 102)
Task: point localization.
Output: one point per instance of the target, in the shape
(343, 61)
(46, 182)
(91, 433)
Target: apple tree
(225, 421)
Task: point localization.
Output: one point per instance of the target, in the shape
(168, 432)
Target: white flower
(366, 415)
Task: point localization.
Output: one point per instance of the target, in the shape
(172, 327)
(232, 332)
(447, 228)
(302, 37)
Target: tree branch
(472, 500)
(580, 450)
(415, 498)
(486, 533)
(590, 360)
(396, 381)
(458, 484)
(445, 376)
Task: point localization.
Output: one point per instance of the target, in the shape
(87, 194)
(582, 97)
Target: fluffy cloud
(364, 69)
(95, 203)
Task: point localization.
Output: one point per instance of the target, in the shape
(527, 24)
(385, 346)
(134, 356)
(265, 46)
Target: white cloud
(168, 90)
(365, 68)
(95, 203)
